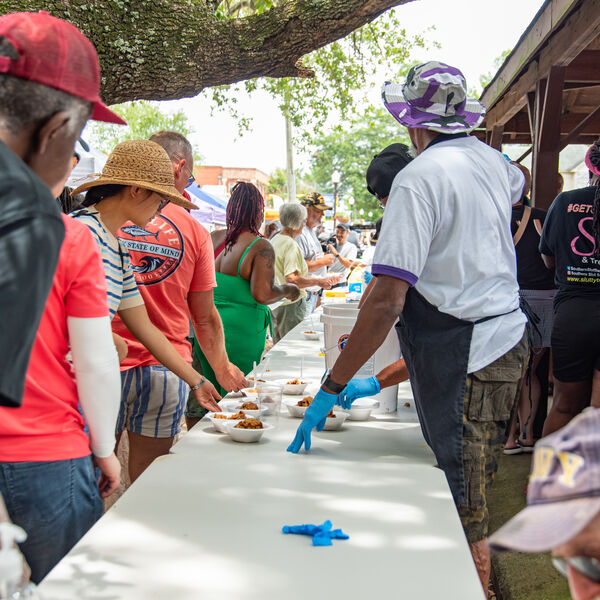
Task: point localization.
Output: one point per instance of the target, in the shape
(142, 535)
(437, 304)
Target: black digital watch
(336, 388)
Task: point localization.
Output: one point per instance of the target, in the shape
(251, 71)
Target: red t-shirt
(171, 256)
(48, 426)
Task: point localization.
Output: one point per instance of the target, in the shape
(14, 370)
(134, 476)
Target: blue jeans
(311, 303)
(55, 502)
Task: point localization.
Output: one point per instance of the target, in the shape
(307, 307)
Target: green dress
(245, 324)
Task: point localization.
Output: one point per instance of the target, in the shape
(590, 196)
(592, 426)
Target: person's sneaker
(514, 450)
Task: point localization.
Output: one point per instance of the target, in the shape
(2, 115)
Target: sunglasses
(381, 199)
(163, 203)
(587, 566)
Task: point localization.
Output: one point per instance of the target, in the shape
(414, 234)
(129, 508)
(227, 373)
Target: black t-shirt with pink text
(568, 237)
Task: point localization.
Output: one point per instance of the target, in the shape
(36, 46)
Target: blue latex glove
(358, 388)
(314, 416)
(368, 276)
(321, 538)
(321, 534)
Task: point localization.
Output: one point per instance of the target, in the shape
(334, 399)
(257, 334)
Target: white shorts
(152, 401)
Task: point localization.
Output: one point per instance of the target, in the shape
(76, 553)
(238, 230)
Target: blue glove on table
(358, 388)
(321, 534)
(314, 416)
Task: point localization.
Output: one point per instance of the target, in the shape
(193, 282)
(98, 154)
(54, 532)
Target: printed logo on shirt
(156, 250)
(584, 235)
(343, 341)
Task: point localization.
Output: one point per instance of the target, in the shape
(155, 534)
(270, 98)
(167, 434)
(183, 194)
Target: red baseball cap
(54, 53)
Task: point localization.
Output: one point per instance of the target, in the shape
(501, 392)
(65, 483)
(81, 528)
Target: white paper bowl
(219, 424)
(361, 409)
(293, 389)
(250, 393)
(310, 335)
(332, 424)
(294, 409)
(247, 435)
(236, 406)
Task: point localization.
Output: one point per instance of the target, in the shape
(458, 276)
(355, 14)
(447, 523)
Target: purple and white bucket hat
(564, 489)
(433, 97)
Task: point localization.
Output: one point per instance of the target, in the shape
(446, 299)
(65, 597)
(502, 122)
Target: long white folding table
(205, 521)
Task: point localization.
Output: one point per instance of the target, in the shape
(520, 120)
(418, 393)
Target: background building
(229, 176)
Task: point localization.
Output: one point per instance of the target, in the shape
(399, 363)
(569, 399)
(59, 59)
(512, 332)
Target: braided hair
(594, 160)
(245, 211)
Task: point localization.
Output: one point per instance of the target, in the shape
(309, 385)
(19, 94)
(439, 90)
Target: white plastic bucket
(337, 328)
(341, 310)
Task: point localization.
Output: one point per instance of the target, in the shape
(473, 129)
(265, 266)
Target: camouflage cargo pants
(490, 398)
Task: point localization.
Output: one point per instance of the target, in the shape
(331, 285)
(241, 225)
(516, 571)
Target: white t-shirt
(311, 250)
(446, 230)
(367, 257)
(346, 250)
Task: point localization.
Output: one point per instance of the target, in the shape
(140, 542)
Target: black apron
(436, 347)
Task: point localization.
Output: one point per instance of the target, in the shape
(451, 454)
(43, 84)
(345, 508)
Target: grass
(520, 576)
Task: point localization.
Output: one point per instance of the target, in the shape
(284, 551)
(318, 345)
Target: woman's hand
(206, 396)
(110, 477)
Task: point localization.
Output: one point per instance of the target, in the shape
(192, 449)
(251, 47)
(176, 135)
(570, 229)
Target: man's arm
(347, 263)
(325, 261)
(375, 319)
(208, 328)
(393, 374)
(303, 282)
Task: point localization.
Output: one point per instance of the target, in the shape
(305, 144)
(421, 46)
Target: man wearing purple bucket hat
(434, 97)
(446, 273)
(563, 505)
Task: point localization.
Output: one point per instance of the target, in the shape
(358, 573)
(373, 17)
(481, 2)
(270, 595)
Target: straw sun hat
(141, 163)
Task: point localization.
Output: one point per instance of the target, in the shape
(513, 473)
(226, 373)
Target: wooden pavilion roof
(559, 52)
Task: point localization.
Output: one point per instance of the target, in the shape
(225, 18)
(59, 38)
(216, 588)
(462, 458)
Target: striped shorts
(152, 401)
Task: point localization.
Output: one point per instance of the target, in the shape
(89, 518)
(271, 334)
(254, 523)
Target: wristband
(198, 385)
(336, 388)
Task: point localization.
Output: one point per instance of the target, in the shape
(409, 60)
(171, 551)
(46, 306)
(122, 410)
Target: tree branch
(167, 49)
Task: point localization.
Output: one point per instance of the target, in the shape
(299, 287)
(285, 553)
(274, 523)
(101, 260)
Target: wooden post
(495, 140)
(548, 108)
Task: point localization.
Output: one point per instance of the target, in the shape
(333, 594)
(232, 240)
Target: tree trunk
(167, 49)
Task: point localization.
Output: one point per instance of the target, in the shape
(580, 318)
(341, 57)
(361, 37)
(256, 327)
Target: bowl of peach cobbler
(250, 407)
(297, 408)
(310, 335)
(335, 419)
(220, 419)
(293, 386)
(247, 430)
